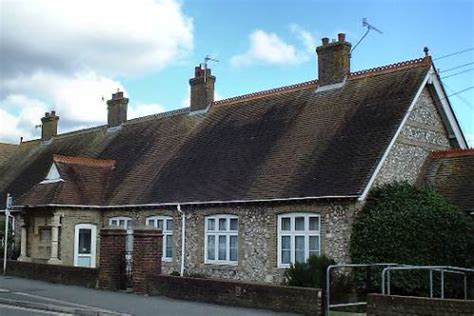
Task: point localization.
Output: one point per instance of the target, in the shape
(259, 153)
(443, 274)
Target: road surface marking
(39, 311)
(70, 304)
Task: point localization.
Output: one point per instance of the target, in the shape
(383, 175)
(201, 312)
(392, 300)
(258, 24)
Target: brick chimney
(334, 61)
(49, 125)
(117, 109)
(202, 88)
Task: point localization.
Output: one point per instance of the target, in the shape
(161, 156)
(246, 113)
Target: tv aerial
(206, 60)
(369, 27)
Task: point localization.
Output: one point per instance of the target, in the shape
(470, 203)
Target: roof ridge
(264, 93)
(79, 131)
(85, 161)
(156, 115)
(425, 61)
(452, 152)
(353, 75)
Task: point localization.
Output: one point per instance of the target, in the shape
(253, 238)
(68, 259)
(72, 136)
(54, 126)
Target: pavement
(24, 297)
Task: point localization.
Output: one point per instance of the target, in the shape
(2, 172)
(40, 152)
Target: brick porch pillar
(112, 258)
(147, 251)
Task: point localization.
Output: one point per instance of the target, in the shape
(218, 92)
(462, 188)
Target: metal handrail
(442, 269)
(347, 265)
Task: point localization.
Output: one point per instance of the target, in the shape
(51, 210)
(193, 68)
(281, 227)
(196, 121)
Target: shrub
(404, 224)
(311, 273)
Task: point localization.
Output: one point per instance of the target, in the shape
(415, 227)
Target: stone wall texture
(305, 301)
(381, 305)
(422, 133)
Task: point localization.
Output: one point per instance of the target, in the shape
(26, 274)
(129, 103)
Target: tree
(408, 225)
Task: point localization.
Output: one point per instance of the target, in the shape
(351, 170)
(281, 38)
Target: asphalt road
(23, 297)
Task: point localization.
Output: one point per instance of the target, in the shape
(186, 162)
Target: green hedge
(404, 224)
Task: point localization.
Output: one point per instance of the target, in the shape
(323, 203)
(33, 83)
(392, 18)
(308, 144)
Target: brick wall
(112, 260)
(147, 248)
(86, 277)
(279, 298)
(379, 305)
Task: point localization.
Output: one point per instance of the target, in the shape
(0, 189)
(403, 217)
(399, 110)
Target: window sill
(221, 266)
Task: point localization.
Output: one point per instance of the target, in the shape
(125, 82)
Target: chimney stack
(117, 109)
(334, 60)
(49, 125)
(202, 88)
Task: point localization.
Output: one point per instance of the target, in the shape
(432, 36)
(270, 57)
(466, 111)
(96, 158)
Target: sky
(68, 55)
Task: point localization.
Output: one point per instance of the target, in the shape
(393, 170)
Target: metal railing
(348, 265)
(385, 282)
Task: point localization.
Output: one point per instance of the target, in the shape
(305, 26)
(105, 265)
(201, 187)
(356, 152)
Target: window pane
(169, 246)
(285, 249)
(45, 235)
(285, 223)
(222, 248)
(211, 247)
(313, 245)
(233, 248)
(169, 224)
(299, 223)
(222, 224)
(159, 224)
(234, 224)
(151, 222)
(314, 223)
(85, 241)
(299, 248)
(211, 223)
(122, 223)
(285, 256)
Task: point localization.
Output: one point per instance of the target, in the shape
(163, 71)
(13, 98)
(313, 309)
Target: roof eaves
(354, 196)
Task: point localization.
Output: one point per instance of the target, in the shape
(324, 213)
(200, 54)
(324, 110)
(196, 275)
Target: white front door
(85, 238)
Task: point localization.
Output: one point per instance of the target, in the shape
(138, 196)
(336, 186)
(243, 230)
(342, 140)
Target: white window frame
(292, 233)
(167, 233)
(93, 229)
(117, 219)
(216, 233)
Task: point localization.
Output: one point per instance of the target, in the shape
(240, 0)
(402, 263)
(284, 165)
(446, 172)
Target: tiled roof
(6, 150)
(290, 142)
(84, 181)
(451, 173)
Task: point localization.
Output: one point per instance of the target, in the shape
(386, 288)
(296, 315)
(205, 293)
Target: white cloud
(64, 55)
(266, 48)
(109, 36)
(77, 98)
(269, 48)
(29, 111)
(307, 39)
